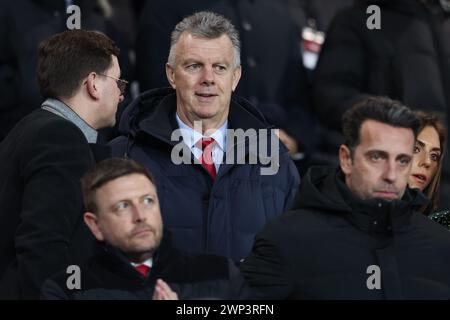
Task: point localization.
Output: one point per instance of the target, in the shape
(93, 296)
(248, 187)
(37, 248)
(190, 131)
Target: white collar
(191, 137)
(148, 263)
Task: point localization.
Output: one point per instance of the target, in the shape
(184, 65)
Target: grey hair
(205, 24)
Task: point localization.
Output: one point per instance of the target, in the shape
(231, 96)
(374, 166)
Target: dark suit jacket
(42, 231)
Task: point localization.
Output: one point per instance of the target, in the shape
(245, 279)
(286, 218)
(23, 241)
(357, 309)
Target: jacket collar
(61, 109)
(379, 216)
(162, 121)
(152, 117)
(115, 260)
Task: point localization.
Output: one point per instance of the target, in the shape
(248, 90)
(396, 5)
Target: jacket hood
(150, 120)
(153, 111)
(141, 108)
(318, 191)
(117, 261)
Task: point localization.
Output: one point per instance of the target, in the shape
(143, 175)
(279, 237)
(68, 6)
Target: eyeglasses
(121, 84)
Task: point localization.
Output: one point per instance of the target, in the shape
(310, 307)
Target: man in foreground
(356, 232)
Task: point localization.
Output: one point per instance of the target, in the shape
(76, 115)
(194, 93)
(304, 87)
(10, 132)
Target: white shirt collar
(191, 137)
(148, 263)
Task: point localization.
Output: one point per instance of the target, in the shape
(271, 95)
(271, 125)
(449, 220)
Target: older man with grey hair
(210, 152)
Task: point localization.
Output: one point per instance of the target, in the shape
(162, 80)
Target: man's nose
(208, 75)
(390, 172)
(138, 214)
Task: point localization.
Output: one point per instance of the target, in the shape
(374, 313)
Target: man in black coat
(45, 155)
(356, 232)
(137, 261)
(407, 59)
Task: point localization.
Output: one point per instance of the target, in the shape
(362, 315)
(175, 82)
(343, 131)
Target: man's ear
(92, 85)
(345, 159)
(91, 221)
(236, 77)
(170, 73)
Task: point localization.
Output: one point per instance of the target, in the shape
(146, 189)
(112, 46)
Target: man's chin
(145, 244)
(140, 253)
(112, 122)
(205, 114)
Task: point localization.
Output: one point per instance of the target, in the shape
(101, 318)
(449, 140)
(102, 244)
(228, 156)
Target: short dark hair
(380, 109)
(66, 58)
(106, 171)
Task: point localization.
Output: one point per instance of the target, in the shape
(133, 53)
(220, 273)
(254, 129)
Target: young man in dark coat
(23, 25)
(45, 155)
(214, 206)
(356, 232)
(137, 261)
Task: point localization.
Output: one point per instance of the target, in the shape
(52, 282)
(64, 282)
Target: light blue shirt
(191, 137)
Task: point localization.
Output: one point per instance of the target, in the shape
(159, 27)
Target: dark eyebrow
(420, 143)
(381, 152)
(403, 155)
(436, 149)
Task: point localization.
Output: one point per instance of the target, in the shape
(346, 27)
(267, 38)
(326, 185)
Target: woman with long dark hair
(427, 164)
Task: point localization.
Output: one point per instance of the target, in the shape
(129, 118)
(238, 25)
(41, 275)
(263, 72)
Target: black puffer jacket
(324, 248)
